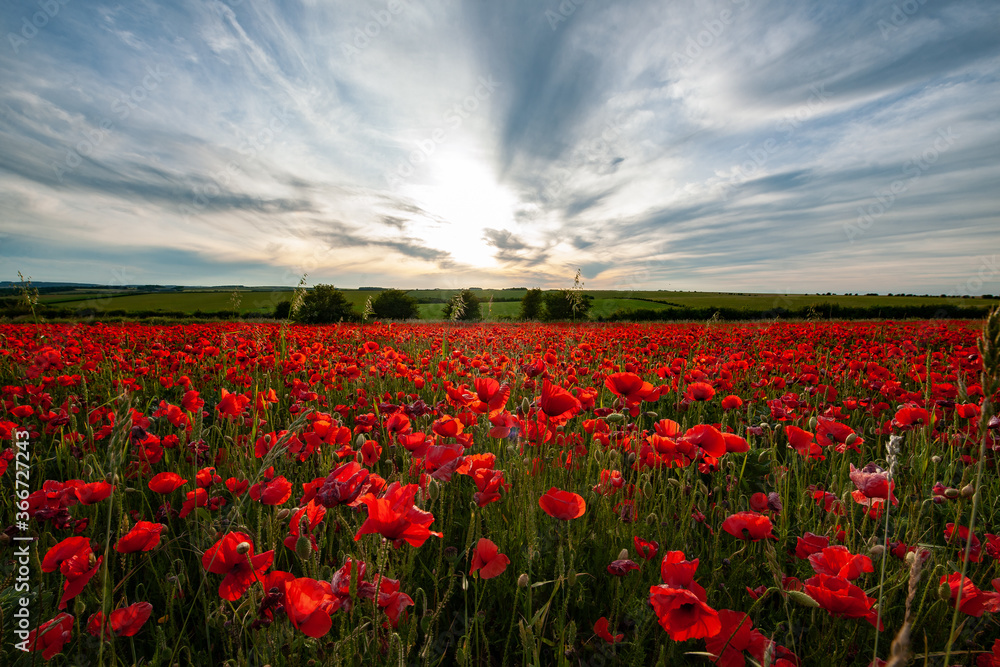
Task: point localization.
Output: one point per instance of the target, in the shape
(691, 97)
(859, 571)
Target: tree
(394, 304)
(559, 305)
(323, 304)
(531, 305)
(282, 310)
(464, 306)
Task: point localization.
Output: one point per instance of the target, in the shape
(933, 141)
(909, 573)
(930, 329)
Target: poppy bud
(631, 458)
(851, 439)
(303, 547)
(910, 557)
(615, 417)
(79, 606)
(812, 423)
(967, 491)
(242, 548)
(623, 554)
(936, 459)
(512, 450)
(803, 599)
(944, 591)
(652, 414)
(647, 490)
(359, 441)
(523, 581)
(525, 405)
(951, 493)
(465, 582)
(877, 550)
(283, 514)
(571, 577)
(651, 519)
(764, 454)
(673, 481)
(433, 490)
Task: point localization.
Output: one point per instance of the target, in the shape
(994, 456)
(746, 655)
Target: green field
(505, 303)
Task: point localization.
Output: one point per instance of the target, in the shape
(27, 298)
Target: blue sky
(735, 145)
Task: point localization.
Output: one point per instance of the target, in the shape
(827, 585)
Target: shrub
(394, 304)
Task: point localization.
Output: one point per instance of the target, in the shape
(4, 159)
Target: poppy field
(812, 493)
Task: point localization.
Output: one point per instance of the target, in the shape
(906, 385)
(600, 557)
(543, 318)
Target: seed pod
(303, 547)
(803, 599)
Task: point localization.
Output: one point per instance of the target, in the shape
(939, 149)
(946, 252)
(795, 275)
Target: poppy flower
(492, 396)
(734, 637)
(708, 438)
(78, 570)
(196, 498)
(975, 550)
(804, 443)
(732, 402)
(873, 481)
(447, 427)
(974, 601)
(94, 492)
(735, 444)
(309, 604)
(395, 517)
(563, 505)
(487, 559)
(343, 486)
(393, 601)
(683, 614)
(191, 401)
(51, 636)
(557, 403)
(144, 536)
(124, 622)
(166, 482)
(748, 526)
(646, 550)
(631, 388)
(621, 567)
(275, 491)
(601, 630)
(841, 598)
(699, 391)
(232, 405)
(838, 561)
(810, 544)
(71, 547)
(991, 659)
(239, 564)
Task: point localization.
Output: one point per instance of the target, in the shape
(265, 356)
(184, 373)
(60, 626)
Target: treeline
(826, 311)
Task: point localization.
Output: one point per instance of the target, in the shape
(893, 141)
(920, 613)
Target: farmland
(251, 494)
(504, 304)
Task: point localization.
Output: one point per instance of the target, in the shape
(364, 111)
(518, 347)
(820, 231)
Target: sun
(462, 194)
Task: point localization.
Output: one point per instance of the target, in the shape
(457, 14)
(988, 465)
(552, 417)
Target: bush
(282, 310)
(531, 305)
(394, 304)
(467, 305)
(324, 304)
(567, 304)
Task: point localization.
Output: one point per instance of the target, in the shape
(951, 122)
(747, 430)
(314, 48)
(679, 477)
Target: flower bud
(623, 554)
(936, 459)
(523, 581)
(615, 417)
(877, 550)
(851, 439)
(944, 591)
(283, 514)
(303, 547)
(433, 490)
(652, 519)
(359, 441)
(525, 405)
(951, 493)
(812, 423)
(967, 491)
(243, 548)
(803, 599)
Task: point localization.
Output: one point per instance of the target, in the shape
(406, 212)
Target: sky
(728, 145)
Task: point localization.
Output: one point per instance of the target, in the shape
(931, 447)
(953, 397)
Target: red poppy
(975, 550)
(127, 621)
(274, 491)
(732, 402)
(191, 401)
(309, 604)
(447, 427)
(71, 547)
(144, 536)
(232, 405)
(621, 567)
(396, 518)
(557, 403)
(810, 544)
(94, 492)
(78, 570)
(735, 636)
(166, 482)
(735, 444)
(683, 613)
(804, 443)
(392, 600)
(699, 391)
(991, 659)
(646, 550)
(841, 598)
(974, 601)
(492, 396)
(873, 481)
(196, 498)
(910, 416)
(631, 388)
(563, 505)
(237, 487)
(601, 630)
(838, 561)
(487, 559)
(748, 526)
(344, 485)
(51, 636)
(708, 438)
(241, 570)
